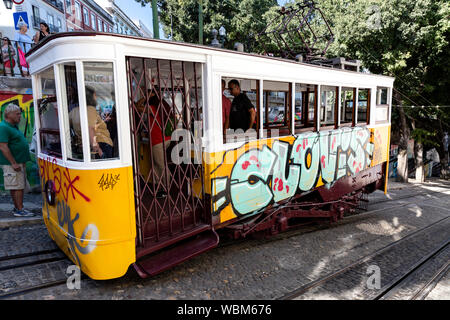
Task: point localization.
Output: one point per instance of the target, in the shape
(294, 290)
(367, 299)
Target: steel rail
(305, 288)
(390, 287)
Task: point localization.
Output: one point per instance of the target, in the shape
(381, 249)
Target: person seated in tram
(99, 137)
(242, 113)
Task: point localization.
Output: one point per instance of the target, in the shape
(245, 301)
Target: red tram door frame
(181, 215)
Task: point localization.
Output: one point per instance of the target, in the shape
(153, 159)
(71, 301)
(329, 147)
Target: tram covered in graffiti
(128, 181)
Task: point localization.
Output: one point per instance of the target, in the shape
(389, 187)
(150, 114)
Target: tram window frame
(366, 120)
(345, 110)
(245, 83)
(67, 106)
(283, 128)
(50, 97)
(324, 122)
(306, 123)
(380, 107)
(112, 94)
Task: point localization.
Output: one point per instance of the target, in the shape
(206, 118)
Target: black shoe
(161, 194)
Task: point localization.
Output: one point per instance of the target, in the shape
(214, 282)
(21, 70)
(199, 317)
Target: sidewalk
(31, 201)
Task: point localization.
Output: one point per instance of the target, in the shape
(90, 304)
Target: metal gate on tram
(171, 211)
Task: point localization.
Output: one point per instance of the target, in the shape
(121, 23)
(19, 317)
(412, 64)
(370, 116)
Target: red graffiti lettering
(64, 184)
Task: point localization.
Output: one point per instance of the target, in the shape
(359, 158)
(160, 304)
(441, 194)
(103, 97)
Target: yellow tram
(129, 182)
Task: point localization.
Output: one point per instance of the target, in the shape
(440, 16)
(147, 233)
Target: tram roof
(188, 45)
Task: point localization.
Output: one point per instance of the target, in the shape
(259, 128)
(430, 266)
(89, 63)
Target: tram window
(347, 103)
(304, 105)
(48, 115)
(382, 96)
(246, 91)
(363, 106)
(101, 110)
(276, 109)
(382, 108)
(328, 105)
(71, 113)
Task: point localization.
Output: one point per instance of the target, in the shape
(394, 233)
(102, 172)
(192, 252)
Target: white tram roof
(89, 46)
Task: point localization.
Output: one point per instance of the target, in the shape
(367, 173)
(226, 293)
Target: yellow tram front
(85, 175)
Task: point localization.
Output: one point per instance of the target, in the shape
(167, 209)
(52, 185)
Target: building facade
(145, 32)
(87, 15)
(122, 23)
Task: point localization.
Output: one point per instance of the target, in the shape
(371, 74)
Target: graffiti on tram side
(65, 218)
(263, 176)
(65, 184)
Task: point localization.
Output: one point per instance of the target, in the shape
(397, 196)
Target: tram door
(165, 96)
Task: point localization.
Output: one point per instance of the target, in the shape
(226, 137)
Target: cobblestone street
(259, 269)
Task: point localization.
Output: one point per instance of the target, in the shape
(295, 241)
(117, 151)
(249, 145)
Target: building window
(69, 7)
(110, 29)
(86, 16)
(77, 11)
(36, 17)
(59, 24)
(99, 24)
(104, 27)
(93, 21)
(51, 22)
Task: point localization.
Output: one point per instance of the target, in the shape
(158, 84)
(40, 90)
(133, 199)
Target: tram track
(315, 226)
(355, 274)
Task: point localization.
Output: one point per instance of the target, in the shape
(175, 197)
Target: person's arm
(8, 155)
(252, 117)
(36, 37)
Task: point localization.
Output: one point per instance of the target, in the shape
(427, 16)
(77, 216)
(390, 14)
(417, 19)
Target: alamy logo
(374, 280)
(74, 277)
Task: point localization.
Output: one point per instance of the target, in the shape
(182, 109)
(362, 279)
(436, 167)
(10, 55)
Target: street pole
(155, 20)
(200, 22)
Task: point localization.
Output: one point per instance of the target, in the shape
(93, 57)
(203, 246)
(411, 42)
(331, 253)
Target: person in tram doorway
(226, 107)
(242, 113)
(160, 140)
(13, 156)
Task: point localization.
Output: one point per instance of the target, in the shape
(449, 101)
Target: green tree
(241, 18)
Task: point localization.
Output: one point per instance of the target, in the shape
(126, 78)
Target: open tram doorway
(166, 96)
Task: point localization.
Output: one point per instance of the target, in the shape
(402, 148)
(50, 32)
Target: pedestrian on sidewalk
(13, 156)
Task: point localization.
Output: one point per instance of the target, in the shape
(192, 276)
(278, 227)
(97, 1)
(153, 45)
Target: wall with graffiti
(25, 101)
(248, 179)
(91, 218)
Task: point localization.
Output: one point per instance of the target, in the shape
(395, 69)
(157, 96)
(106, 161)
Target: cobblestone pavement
(269, 269)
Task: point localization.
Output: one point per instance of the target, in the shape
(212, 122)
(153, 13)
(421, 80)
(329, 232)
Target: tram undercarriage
(324, 204)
